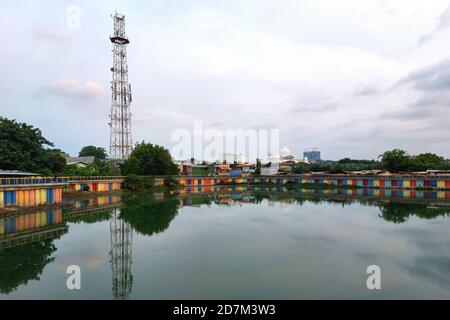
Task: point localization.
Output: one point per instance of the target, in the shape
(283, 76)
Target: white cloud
(73, 88)
(316, 69)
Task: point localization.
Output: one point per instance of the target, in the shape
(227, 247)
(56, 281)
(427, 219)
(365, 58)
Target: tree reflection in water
(391, 210)
(21, 264)
(150, 214)
(401, 212)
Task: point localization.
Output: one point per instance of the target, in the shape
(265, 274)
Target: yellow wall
(43, 196)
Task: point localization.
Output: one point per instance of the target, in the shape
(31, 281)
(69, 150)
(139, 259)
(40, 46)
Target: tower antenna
(121, 142)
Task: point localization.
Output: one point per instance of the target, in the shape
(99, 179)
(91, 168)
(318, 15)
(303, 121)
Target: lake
(229, 245)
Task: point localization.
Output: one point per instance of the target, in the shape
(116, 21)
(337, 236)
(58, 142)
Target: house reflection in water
(26, 246)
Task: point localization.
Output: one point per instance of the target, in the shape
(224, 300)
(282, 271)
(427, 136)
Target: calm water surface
(233, 246)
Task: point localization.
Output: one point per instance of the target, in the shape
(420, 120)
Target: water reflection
(24, 263)
(396, 207)
(121, 257)
(401, 212)
(354, 193)
(150, 214)
(26, 246)
(29, 240)
(98, 209)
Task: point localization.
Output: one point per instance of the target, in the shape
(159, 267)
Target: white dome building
(286, 154)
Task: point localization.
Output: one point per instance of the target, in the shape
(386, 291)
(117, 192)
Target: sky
(353, 78)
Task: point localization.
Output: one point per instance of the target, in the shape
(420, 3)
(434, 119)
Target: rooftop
(17, 173)
(85, 160)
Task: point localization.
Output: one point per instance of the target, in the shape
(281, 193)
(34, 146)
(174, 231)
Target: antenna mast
(121, 142)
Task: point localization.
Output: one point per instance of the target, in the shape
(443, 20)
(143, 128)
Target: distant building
(231, 158)
(191, 169)
(270, 169)
(222, 169)
(286, 155)
(17, 174)
(283, 163)
(80, 161)
(246, 169)
(312, 155)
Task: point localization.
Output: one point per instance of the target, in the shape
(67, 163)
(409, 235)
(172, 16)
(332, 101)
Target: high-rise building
(312, 155)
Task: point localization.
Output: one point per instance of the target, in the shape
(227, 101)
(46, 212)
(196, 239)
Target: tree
(91, 151)
(54, 161)
(396, 160)
(22, 147)
(149, 159)
(427, 161)
(258, 167)
(301, 167)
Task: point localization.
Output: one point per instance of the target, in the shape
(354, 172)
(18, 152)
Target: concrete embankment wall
(31, 196)
(378, 182)
(29, 192)
(39, 191)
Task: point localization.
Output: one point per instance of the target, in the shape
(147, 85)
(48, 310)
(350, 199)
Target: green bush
(170, 182)
(148, 182)
(133, 182)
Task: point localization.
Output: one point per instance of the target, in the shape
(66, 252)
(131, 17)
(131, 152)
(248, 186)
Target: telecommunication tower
(121, 143)
(121, 257)
(120, 147)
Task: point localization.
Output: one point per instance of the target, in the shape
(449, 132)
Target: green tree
(396, 160)
(258, 167)
(22, 148)
(91, 151)
(54, 162)
(133, 182)
(148, 160)
(301, 167)
(98, 168)
(427, 161)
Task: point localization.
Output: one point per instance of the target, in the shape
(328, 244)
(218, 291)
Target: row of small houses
(192, 169)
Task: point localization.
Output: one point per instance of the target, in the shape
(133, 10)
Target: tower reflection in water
(121, 257)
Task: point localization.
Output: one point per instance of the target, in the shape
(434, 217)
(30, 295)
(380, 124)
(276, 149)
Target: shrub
(133, 182)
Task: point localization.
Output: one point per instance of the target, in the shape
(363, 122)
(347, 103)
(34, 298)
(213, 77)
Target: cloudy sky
(351, 77)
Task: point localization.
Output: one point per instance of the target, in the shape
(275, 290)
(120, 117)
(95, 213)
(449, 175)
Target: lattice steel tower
(121, 257)
(121, 143)
(120, 148)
